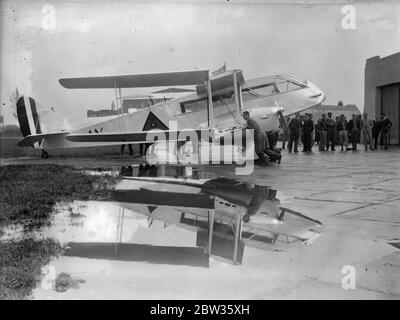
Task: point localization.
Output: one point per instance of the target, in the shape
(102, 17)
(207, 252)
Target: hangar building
(382, 90)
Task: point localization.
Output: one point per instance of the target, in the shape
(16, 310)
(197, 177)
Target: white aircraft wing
(139, 136)
(32, 139)
(137, 80)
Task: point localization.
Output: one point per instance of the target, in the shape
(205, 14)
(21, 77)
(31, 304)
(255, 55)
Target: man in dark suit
(354, 127)
(341, 127)
(386, 124)
(294, 127)
(331, 132)
(322, 132)
(308, 128)
(376, 129)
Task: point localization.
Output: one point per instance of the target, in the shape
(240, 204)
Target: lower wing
(140, 136)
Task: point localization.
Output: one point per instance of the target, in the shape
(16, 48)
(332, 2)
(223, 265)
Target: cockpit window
(285, 86)
(227, 98)
(270, 89)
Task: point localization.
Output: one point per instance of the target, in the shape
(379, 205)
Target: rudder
(28, 117)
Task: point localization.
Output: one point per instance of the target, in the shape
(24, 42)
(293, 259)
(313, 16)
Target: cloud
(379, 17)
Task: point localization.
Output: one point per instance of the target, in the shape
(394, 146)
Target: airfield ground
(354, 194)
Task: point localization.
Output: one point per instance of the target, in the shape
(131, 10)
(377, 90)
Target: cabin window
(265, 90)
(249, 94)
(222, 99)
(194, 105)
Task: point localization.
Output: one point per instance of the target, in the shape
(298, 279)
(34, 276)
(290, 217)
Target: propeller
(282, 120)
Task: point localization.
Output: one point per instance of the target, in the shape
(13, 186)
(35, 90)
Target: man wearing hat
(331, 132)
(294, 127)
(308, 129)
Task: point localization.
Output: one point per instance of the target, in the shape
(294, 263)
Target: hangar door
(390, 104)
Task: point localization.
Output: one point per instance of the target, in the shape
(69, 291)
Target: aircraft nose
(318, 92)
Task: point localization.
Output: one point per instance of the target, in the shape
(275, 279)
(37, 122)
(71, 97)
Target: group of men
(299, 129)
(331, 132)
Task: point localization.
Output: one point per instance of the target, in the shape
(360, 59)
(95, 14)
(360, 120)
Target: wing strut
(210, 104)
(237, 87)
(118, 105)
(238, 94)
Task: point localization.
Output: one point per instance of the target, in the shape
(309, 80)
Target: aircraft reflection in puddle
(224, 214)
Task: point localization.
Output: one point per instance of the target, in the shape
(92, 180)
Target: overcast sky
(112, 37)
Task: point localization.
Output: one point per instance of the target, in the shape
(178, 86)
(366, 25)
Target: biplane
(212, 112)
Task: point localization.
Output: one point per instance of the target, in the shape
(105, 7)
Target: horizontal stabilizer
(137, 80)
(32, 139)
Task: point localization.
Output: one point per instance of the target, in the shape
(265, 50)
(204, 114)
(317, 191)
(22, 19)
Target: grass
(9, 148)
(28, 194)
(21, 265)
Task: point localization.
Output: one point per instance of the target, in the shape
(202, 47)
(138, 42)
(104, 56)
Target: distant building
(382, 90)
(348, 110)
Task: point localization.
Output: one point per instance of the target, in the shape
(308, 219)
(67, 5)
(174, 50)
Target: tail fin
(28, 117)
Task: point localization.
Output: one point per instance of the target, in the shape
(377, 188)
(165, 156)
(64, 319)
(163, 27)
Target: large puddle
(184, 222)
(171, 222)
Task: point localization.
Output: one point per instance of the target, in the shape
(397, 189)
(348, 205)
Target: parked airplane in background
(215, 108)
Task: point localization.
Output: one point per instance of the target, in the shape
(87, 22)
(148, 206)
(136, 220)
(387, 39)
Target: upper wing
(137, 80)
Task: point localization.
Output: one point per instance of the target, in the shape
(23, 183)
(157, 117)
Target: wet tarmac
(286, 231)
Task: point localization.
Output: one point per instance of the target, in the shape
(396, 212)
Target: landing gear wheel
(44, 155)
